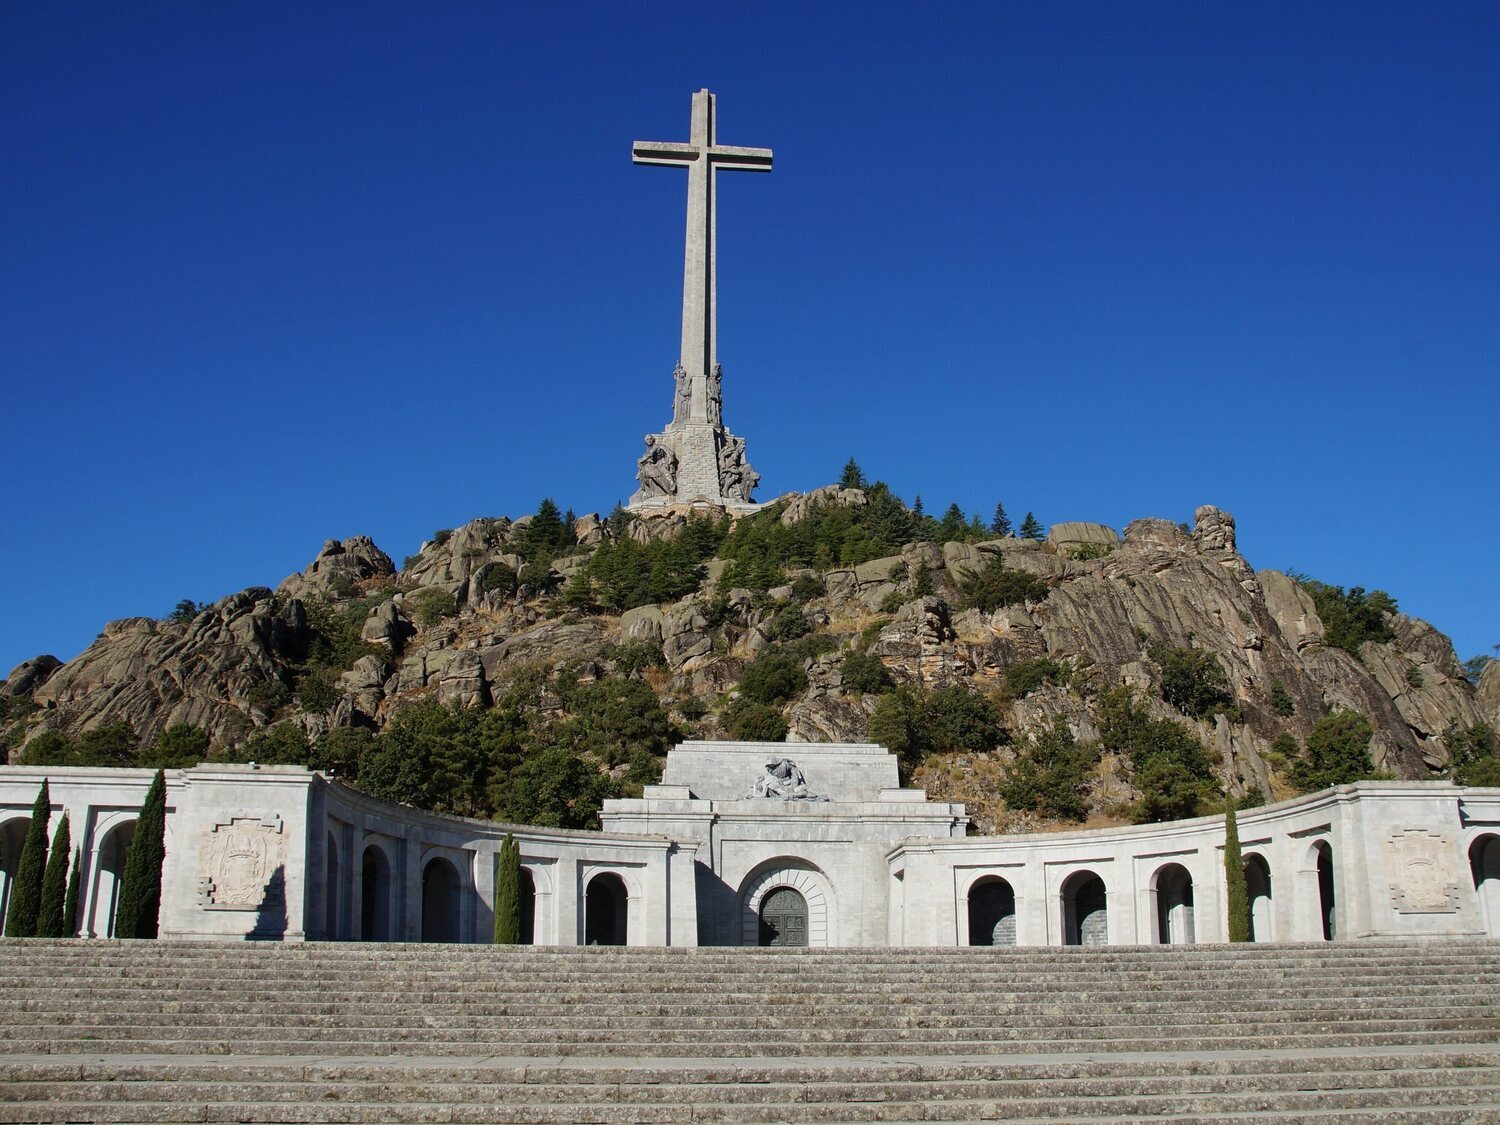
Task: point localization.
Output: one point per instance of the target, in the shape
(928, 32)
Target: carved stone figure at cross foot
(658, 469)
(707, 461)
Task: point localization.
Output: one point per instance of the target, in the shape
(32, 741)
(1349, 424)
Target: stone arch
(376, 898)
(992, 911)
(333, 882)
(1085, 909)
(441, 900)
(109, 875)
(1484, 865)
(1321, 856)
(802, 877)
(606, 910)
(1172, 885)
(12, 840)
(1258, 891)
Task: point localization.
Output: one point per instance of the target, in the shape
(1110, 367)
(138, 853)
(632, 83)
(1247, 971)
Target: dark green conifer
(140, 890)
(51, 920)
(1031, 528)
(1000, 525)
(26, 898)
(70, 900)
(1234, 878)
(508, 893)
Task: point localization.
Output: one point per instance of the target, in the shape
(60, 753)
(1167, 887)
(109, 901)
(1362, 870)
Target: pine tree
(26, 898)
(51, 921)
(508, 893)
(1031, 529)
(1234, 877)
(1000, 525)
(70, 901)
(140, 890)
(853, 476)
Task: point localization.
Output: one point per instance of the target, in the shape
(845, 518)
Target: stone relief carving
(716, 397)
(784, 780)
(657, 469)
(1419, 868)
(682, 402)
(737, 480)
(236, 861)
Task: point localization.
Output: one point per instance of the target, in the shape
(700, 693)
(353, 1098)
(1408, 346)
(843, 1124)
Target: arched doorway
(440, 901)
(12, 840)
(333, 928)
(108, 878)
(1085, 910)
(1174, 905)
(1258, 891)
(528, 907)
(1484, 863)
(604, 911)
(1326, 902)
(375, 895)
(992, 912)
(783, 918)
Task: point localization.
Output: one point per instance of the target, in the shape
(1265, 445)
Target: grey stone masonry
(696, 459)
(1389, 1031)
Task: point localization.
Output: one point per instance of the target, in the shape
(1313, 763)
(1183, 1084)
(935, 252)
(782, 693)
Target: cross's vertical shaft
(696, 458)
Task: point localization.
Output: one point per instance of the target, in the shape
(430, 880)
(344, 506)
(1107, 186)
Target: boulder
(798, 506)
(386, 626)
(339, 565)
(644, 623)
(1213, 529)
(29, 675)
(1152, 532)
(1292, 608)
(462, 682)
(1082, 534)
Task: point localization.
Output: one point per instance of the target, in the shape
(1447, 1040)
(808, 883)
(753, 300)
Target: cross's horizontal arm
(736, 159)
(663, 152)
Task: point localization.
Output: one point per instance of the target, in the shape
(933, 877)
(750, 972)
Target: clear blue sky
(277, 272)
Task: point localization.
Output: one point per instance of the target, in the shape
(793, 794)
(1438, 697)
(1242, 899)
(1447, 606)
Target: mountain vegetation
(527, 670)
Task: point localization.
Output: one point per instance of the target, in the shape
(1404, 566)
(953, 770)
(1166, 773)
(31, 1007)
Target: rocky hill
(1087, 675)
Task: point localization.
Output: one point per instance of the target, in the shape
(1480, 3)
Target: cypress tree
(50, 922)
(508, 893)
(1234, 876)
(70, 901)
(140, 889)
(26, 898)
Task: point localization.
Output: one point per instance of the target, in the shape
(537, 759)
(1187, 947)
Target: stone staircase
(158, 1031)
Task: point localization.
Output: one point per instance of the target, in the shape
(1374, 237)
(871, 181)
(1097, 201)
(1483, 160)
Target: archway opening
(332, 919)
(992, 912)
(1258, 890)
(783, 918)
(604, 911)
(109, 877)
(375, 895)
(1484, 863)
(528, 908)
(440, 901)
(1085, 910)
(1326, 902)
(12, 840)
(1174, 905)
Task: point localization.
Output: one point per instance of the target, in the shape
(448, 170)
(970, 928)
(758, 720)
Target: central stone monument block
(696, 459)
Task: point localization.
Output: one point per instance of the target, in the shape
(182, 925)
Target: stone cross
(702, 156)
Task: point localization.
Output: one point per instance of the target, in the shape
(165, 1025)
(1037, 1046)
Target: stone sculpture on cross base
(696, 459)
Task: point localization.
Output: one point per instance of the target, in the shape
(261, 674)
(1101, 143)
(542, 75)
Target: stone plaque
(236, 862)
(1419, 868)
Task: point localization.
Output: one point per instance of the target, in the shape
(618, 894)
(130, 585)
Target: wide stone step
(1062, 1018)
(68, 1008)
(1480, 1103)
